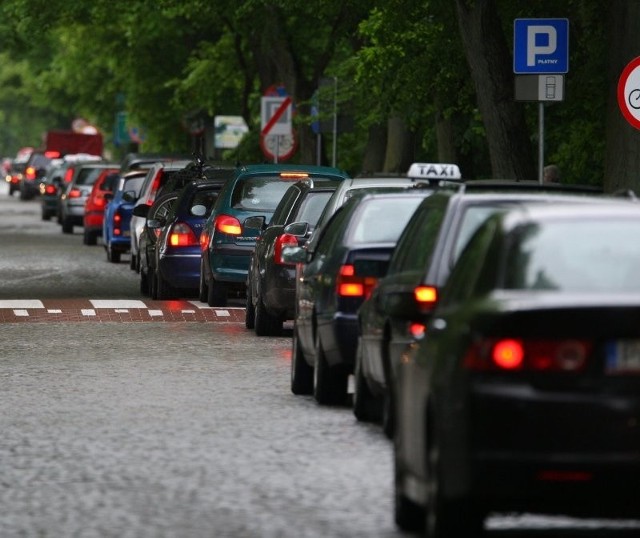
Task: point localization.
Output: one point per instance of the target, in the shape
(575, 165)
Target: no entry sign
(629, 92)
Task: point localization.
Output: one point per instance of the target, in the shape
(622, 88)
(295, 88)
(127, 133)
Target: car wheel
(329, 384)
(203, 290)
(144, 283)
(366, 407)
(90, 238)
(67, 227)
(444, 517)
(250, 315)
(265, 323)
(113, 256)
(408, 515)
(153, 289)
(216, 293)
(164, 290)
(132, 262)
(44, 213)
(301, 372)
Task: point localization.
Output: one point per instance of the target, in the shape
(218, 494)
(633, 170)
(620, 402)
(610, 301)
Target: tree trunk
(489, 59)
(373, 160)
(399, 152)
(622, 150)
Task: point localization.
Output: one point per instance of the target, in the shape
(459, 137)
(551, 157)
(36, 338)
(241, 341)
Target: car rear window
(382, 220)
(576, 256)
(88, 176)
(259, 193)
(312, 206)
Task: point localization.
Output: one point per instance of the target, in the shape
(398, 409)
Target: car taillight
(348, 284)
(227, 224)
(204, 240)
(284, 240)
(75, 193)
(516, 354)
(117, 223)
(181, 235)
(50, 189)
(30, 173)
(68, 175)
(426, 297)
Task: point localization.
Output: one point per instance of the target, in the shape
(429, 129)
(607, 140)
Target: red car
(96, 203)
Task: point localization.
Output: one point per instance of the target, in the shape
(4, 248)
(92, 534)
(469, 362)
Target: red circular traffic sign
(629, 92)
(284, 146)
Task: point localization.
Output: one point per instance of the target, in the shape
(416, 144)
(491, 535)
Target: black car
(351, 253)
(524, 393)
(271, 282)
(426, 251)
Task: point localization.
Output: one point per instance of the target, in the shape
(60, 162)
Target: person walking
(551, 174)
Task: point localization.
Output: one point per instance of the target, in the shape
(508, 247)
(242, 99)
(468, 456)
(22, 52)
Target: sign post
(541, 47)
(275, 115)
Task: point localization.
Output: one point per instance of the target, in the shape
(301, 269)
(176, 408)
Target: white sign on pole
(275, 115)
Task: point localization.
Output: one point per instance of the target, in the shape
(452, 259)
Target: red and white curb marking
(52, 310)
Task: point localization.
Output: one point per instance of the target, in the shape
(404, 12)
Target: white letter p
(533, 50)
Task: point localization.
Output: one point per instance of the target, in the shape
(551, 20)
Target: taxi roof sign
(431, 171)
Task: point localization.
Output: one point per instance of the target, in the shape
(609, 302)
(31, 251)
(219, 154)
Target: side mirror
(294, 254)
(254, 223)
(155, 224)
(141, 210)
(129, 196)
(297, 228)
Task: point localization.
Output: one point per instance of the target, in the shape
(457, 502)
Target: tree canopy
(415, 80)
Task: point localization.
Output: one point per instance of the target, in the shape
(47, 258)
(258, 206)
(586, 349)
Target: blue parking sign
(540, 46)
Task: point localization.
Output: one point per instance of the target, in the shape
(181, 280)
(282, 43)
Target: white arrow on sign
(275, 113)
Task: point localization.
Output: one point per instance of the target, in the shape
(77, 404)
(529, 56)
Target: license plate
(622, 357)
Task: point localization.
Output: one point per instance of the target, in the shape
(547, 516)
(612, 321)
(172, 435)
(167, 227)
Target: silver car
(74, 196)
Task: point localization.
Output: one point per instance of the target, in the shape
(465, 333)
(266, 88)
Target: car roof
(277, 168)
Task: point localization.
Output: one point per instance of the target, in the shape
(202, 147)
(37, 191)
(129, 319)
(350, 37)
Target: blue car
(174, 258)
(116, 233)
(227, 244)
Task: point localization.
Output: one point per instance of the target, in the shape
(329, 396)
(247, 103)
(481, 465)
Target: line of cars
(492, 329)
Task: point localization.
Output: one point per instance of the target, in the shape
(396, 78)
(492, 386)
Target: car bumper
(279, 293)
(230, 263)
(181, 270)
(516, 447)
(339, 339)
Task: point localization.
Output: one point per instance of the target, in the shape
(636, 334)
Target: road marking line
(21, 313)
(155, 313)
(54, 311)
(118, 303)
(222, 313)
(122, 310)
(188, 311)
(88, 312)
(11, 303)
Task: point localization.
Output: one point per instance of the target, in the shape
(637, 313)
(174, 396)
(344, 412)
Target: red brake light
(50, 189)
(155, 185)
(75, 193)
(527, 354)
(284, 240)
(227, 224)
(348, 284)
(182, 235)
(117, 223)
(508, 354)
(68, 175)
(30, 172)
(51, 154)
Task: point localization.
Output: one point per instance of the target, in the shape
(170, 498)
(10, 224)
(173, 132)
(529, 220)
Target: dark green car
(226, 244)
